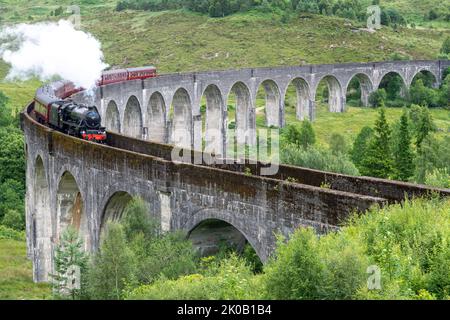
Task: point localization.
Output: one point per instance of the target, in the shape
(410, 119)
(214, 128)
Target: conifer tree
(307, 135)
(424, 127)
(404, 157)
(378, 161)
(360, 146)
(70, 266)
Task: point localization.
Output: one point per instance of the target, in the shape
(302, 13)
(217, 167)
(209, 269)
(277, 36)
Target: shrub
(11, 234)
(230, 279)
(316, 158)
(297, 272)
(360, 146)
(408, 243)
(377, 98)
(112, 267)
(14, 219)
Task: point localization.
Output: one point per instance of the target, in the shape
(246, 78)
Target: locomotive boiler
(53, 108)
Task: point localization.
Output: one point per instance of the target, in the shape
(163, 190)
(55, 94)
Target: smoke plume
(48, 50)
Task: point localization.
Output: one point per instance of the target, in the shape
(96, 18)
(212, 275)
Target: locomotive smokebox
(93, 119)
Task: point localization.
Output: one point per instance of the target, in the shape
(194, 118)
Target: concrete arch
(366, 86)
(404, 85)
(244, 114)
(114, 208)
(303, 108)
(180, 115)
(70, 207)
(212, 214)
(336, 98)
(435, 80)
(132, 119)
(214, 134)
(273, 103)
(42, 223)
(112, 117)
(156, 118)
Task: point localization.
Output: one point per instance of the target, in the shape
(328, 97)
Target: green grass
(16, 273)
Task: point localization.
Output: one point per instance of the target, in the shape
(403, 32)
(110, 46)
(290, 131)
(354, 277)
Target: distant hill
(181, 40)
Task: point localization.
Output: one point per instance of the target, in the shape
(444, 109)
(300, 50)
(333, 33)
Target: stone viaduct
(79, 183)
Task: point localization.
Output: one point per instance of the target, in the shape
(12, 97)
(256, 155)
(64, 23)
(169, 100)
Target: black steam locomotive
(52, 109)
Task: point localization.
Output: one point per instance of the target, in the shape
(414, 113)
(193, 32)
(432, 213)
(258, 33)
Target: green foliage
(231, 278)
(317, 158)
(5, 116)
(135, 252)
(377, 98)
(360, 146)
(170, 256)
(403, 154)
(393, 84)
(297, 271)
(12, 159)
(378, 161)
(307, 135)
(392, 17)
(12, 170)
(349, 9)
(423, 95)
(11, 234)
(136, 221)
(446, 46)
(424, 126)
(433, 154)
(11, 202)
(249, 255)
(408, 243)
(14, 219)
(302, 136)
(112, 267)
(338, 145)
(439, 178)
(71, 261)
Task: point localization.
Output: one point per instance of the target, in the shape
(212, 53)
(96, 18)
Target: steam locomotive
(53, 108)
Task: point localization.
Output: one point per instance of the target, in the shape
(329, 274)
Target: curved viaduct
(79, 183)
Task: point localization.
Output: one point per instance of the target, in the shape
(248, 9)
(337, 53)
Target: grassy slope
(15, 273)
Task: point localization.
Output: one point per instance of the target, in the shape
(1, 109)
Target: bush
(11, 234)
(297, 271)
(302, 136)
(407, 242)
(11, 199)
(360, 146)
(112, 267)
(230, 279)
(377, 98)
(319, 159)
(446, 46)
(156, 254)
(14, 219)
(439, 178)
(338, 145)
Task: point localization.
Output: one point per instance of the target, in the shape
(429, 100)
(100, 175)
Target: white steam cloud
(46, 50)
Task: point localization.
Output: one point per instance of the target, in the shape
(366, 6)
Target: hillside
(182, 41)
